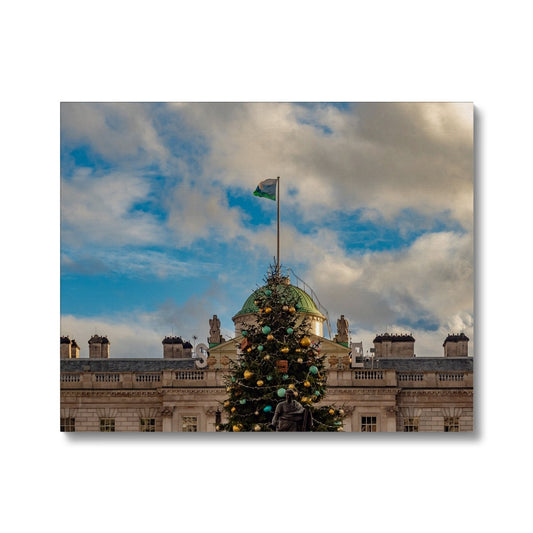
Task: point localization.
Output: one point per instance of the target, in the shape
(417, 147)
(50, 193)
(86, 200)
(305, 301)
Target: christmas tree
(277, 355)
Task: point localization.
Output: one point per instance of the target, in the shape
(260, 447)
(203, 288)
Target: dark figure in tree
(291, 416)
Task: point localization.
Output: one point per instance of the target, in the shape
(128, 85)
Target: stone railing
(366, 375)
(70, 378)
(361, 378)
(208, 378)
(189, 375)
(404, 380)
(107, 378)
(410, 376)
(141, 380)
(148, 378)
(451, 376)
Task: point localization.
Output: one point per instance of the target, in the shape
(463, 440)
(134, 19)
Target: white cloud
(132, 263)
(129, 336)
(97, 209)
(139, 333)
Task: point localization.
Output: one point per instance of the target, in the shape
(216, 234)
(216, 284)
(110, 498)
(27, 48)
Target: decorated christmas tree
(278, 382)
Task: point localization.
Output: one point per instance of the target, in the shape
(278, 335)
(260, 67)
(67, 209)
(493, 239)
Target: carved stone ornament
(167, 411)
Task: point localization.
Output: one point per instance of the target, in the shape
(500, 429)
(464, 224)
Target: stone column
(166, 413)
(390, 420)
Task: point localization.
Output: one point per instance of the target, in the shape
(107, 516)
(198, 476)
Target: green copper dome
(306, 304)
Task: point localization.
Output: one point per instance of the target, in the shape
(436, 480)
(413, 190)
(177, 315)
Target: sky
(160, 229)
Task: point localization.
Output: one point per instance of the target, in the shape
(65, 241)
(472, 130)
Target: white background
(246, 51)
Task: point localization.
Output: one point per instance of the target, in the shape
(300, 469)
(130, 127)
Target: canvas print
(267, 267)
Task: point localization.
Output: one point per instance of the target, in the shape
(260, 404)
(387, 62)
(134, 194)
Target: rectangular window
(189, 423)
(147, 424)
(410, 424)
(368, 423)
(68, 424)
(107, 424)
(451, 423)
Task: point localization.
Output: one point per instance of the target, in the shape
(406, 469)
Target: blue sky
(160, 230)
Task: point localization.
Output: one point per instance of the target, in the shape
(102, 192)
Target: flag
(267, 189)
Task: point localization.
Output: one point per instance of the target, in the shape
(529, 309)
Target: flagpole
(277, 265)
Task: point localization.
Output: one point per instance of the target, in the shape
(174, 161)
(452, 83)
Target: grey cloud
(117, 132)
(429, 283)
(383, 156)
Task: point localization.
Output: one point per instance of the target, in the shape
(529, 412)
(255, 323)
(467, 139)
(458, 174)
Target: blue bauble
(260, 348)
(289, 330)
(244, 333)
(243, 401)
(269, 378)
(313, 369)
(266, 330)
(281, 392)
(267, 408)
(285, 376)
(268, 292)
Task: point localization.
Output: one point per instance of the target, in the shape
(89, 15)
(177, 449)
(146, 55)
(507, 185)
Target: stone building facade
(183, 391)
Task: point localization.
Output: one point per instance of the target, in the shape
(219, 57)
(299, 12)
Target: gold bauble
(340, 428)
(291, 386)
(300, 360)
(292, 310)
(285, 307)
(248, 350)
(257, 427)
(236, 428)
(307, 384)
(341, 412)
(233, 409)
(268, 310)
(270, 337)
(305, 342)
(260, 383)
(285, 350)
(331, 412)
(226, 403)
(266, 357)
(248, 374)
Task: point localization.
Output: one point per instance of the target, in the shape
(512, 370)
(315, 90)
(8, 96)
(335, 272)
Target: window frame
(369, 421)
(107, 425)
(67, 424)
